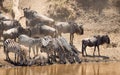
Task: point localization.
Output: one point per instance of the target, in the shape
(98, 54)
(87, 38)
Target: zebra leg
(7, 57)
(37, 49)
(94, 51)
(33, 50)
(98, 50)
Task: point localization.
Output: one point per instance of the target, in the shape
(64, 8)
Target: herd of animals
(43, 36)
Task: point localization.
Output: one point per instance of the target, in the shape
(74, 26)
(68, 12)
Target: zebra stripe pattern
(11, 46)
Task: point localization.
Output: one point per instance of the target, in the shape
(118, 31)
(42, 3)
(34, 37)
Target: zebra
(29, 42)
(14, 47)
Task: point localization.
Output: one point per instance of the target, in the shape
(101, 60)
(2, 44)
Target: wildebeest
(44, 30)
(8, 24)
(34, 18)
(94, 41)
(13, 33)
(12, 46)
(69, 27)
(29, 42)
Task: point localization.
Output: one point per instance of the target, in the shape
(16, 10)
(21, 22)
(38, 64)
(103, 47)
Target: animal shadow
(97, 56)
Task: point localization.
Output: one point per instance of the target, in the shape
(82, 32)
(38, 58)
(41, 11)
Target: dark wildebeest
(69, 27)
(34, 18)
(41, 31)
(8, 24)
(94, 41)
(13, 33)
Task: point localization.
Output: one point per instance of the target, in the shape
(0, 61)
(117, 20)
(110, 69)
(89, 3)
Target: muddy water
(69, 69)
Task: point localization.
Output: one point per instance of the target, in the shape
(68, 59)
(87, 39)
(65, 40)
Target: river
(106, 68)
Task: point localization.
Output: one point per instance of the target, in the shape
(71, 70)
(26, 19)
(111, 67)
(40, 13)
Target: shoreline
(9, 65)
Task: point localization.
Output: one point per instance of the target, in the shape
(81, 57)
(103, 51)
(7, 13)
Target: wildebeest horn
(29, 7)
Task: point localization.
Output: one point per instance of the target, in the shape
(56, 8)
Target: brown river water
(67, 69)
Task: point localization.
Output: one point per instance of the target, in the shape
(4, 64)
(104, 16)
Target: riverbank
(107, 22)
(109, 53)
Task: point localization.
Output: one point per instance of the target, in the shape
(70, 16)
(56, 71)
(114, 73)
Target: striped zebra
(30, 42)
(14, 47)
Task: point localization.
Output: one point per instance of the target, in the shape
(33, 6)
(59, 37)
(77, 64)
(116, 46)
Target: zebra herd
(43, 36)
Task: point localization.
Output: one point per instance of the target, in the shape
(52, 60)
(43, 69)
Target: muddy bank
(109, 53)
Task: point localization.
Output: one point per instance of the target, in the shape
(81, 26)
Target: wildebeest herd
(43, 36)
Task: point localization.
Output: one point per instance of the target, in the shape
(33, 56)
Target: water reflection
(69, 69)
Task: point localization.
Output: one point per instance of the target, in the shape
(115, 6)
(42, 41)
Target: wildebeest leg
(71, 38)
(98, 50)
(94, 51)
(15, 58)
(85, 51)
(82, 48)
(27, 22)
(3, 43)
(29, 51)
